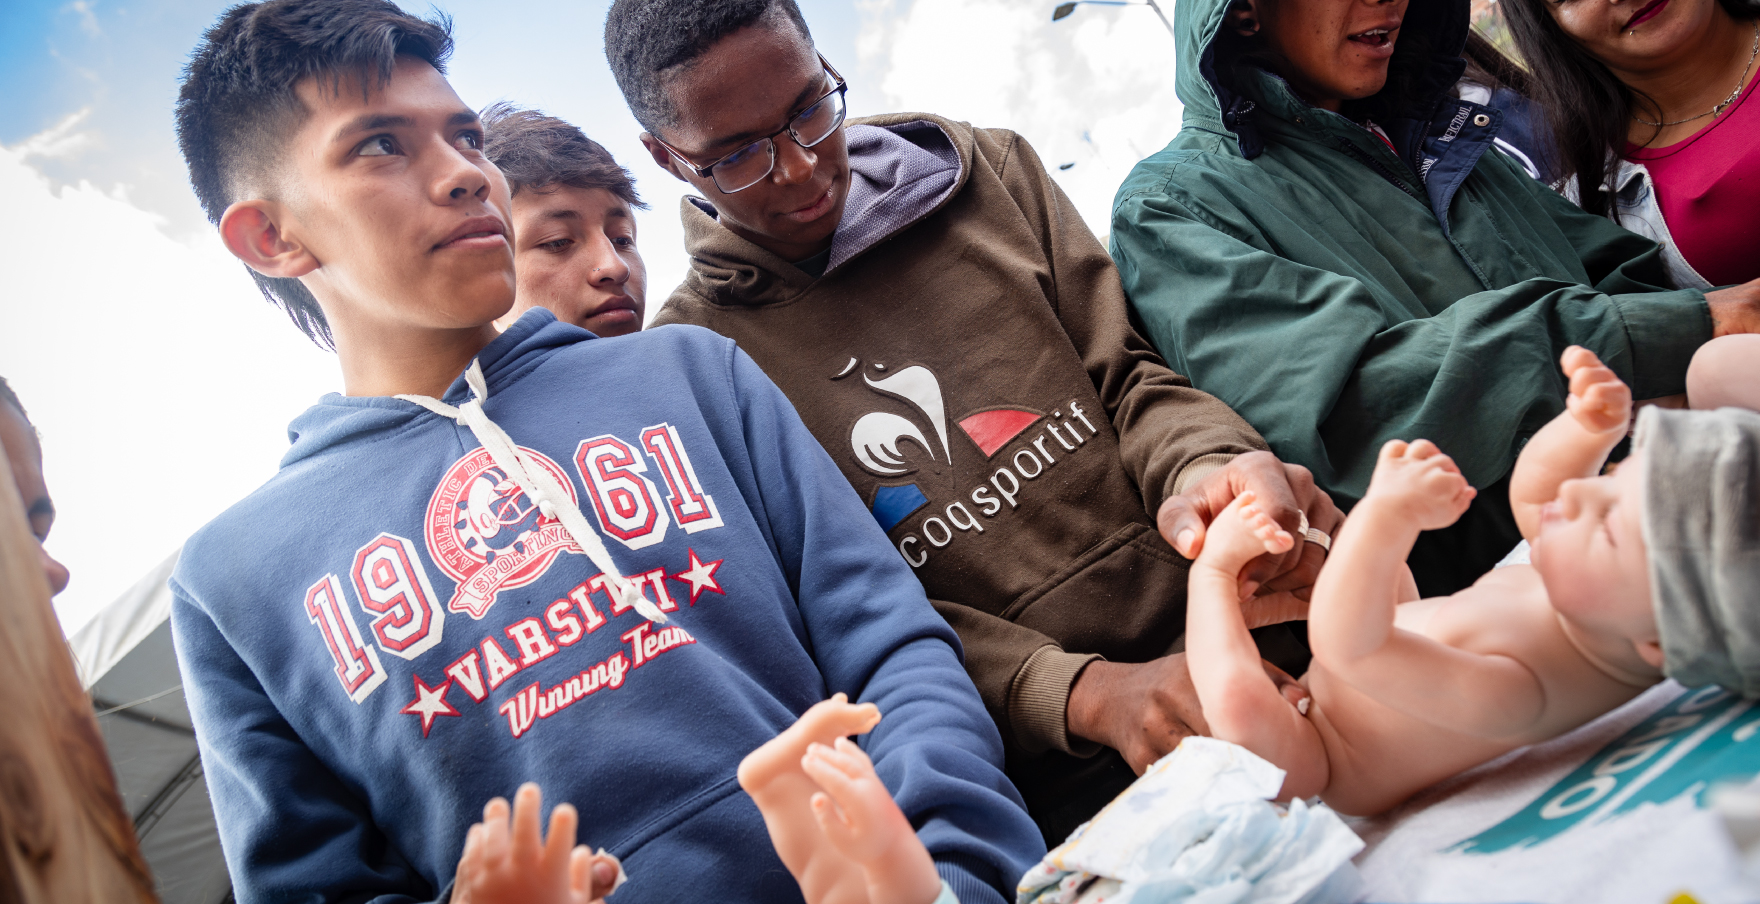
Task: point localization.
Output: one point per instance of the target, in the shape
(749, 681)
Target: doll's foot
(1241, 533)
(1420, 482)
(1599, 400)
(823, 723)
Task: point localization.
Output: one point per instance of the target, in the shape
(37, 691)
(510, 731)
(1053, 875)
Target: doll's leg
(773, 776)
(506, 860)
(1726, 373)
(857, 816)
(1241, 702)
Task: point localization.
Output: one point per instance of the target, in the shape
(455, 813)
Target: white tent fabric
(122, 625)
(127, 663)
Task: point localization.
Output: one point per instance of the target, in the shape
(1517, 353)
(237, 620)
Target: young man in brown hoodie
(952, 332)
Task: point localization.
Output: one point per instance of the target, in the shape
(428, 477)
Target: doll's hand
(857, 815)
(1419, 481)
(1242, 532)
(505, 859)
(1599, 400)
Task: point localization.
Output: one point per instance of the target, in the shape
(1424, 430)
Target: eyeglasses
(751, 164)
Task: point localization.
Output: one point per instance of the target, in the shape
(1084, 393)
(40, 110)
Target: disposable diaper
(1199, 827)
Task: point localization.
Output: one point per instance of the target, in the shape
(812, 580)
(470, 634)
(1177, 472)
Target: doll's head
(1591, 555)
(1701, 525)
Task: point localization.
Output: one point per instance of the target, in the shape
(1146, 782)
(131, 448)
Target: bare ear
(662, 157)
(1242, 17)
(253, 233)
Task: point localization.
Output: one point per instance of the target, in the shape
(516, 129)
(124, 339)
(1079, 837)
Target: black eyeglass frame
(707, 172)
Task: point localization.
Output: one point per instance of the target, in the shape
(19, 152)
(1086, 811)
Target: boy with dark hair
(951, 331)
(422, 609)
(573, 221)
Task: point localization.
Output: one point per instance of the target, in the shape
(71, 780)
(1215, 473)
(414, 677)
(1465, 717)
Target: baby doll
(832, 821)
(1406, 692)
(506, 860)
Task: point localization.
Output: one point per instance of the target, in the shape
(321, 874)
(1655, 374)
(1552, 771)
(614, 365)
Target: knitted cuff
(1199, 468)
(1038, 702)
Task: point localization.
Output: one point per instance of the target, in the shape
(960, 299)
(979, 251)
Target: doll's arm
(1574, 444)
(1415, 488)
(777, 781)
(506, 860)
(858, 817)
(1241, 703)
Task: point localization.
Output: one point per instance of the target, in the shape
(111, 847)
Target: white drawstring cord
(539, 486)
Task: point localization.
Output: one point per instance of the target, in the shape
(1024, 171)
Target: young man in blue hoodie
(432, 601)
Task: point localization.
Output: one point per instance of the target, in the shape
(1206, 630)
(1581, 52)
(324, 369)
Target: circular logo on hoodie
(485, 532)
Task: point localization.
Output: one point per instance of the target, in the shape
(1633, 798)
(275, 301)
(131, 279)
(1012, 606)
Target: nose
(609, 267)
(1582, 494)
(794, 164)
(458, 178)
(54, 571)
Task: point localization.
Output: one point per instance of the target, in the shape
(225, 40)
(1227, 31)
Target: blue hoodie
(388, 633)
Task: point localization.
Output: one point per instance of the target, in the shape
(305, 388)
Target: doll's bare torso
(1379, 755)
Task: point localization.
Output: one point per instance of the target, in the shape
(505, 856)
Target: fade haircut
(538, 153)
(237, 104)
(645, 40)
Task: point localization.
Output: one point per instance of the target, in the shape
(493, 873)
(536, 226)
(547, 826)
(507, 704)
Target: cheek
(637, 287)
(1581, 21)
(538, 274)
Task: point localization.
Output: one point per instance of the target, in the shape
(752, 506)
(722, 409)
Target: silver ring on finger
(1314, 535)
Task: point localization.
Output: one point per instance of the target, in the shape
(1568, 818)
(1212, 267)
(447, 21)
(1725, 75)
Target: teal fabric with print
(1704, 739)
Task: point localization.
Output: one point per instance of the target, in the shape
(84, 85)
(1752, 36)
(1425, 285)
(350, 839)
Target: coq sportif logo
(878, 440)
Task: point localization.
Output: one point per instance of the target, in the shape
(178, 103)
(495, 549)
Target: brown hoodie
(968, 361)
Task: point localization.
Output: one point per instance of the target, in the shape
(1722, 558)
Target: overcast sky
(160, 380)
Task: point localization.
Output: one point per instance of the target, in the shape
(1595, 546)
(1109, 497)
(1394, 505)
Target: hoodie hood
(338, 419)
(903, 167)
(1426, 63)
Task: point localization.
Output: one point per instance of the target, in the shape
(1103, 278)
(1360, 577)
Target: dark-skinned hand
(1280, 583)
(1143, 710)
(1735, 309)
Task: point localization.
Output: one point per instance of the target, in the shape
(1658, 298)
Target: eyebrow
(43, 506)
(373, 122)
(569, 213)
(741, 139)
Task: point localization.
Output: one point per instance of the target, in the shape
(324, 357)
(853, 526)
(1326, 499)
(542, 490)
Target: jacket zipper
(1376, 165)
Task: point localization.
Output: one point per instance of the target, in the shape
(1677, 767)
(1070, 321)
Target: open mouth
(1645, 14)
(1381, 37)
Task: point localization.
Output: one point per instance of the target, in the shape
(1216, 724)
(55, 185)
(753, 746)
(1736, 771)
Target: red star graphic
(429, 703)
(701, 577)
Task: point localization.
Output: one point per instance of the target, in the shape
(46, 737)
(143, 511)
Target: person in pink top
(1649, 103)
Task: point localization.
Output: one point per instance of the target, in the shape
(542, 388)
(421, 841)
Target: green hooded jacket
(1338, 294)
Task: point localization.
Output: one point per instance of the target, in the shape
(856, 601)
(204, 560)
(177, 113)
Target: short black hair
(537, 153)
(237, 100)
(646, 38)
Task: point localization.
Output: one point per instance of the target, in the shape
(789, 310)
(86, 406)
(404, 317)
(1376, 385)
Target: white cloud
(59, 140)
(1095, 89)
(88, 19)
(160, 380)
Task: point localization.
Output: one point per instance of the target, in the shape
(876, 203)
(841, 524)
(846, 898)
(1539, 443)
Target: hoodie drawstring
(539, 485)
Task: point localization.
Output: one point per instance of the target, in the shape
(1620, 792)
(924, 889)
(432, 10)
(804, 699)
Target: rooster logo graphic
(877, 435)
